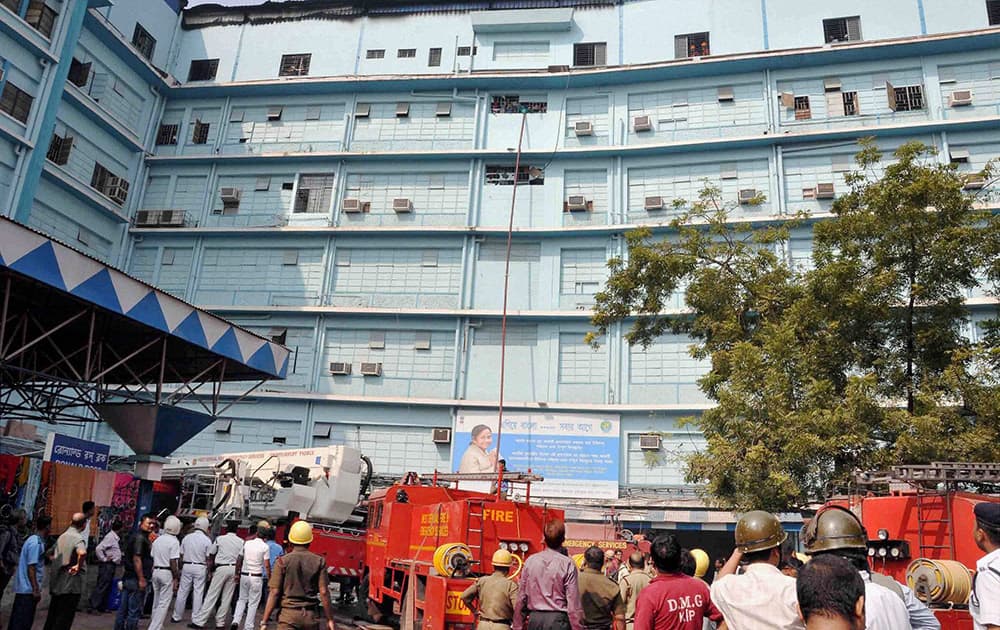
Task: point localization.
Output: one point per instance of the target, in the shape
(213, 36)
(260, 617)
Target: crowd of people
(755, 588)
(169, 563)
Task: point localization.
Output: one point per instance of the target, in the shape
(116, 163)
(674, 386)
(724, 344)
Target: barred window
(143, 42)
(166, 135)
(59, 149)
(16, 102)
(41, 16)
(203, 69)
(295, 65)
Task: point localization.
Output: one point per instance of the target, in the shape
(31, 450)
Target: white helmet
(202, 524)
(172, 525)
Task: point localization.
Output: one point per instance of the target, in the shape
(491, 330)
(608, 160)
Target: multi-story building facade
(338, 176)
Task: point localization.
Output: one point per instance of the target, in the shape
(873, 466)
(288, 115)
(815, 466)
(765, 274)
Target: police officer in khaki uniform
(496, 594)
(632, 584)
(300, 580)
(603, 606)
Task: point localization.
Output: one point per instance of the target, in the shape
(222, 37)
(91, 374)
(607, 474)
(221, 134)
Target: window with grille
(593, 54)
(504, 175)
(314, 193)
(845, 29)
(406, 53)
(375, 53)
(294, 65)
(13, 5)
(802, 111)
(79, 72)
(41, 16)
(993, 12)
(199, 134)
(467, 51)
(691, 45)
(59, 149)
(167, 135)
(513, 104)
(906, 98)
(203, 69)
(850, 103)
(16, 102)
(143, 42)
(434, 57)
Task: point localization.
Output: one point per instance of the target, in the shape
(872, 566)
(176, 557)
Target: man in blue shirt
(276, 550)
(28, 580)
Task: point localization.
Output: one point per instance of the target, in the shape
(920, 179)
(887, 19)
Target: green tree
(857, 363)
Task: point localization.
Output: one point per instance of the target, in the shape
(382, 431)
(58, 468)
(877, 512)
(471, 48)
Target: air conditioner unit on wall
(653, 203)
(230, 194)
(650, 442)
(147, 217)
(975, 181)
(960, 98)
(642, 123)
(441, 435)
(173, 218)
(825, 191)
(402, 205)
(353, 205)
(371, 369)
(747, 195)
(340, 368)
(577, 203)
(583, 128)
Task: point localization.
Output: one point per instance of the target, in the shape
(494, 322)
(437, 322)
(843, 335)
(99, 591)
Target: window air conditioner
(441, 435)
(371, 369)
(975, 181)
(173, 218)
(642, 123)
(653, 203)
(650, 442)
(960, 98)
(146, 217)
(747, 195)
(402, 205)
(340, 368)
(576, 203)
(583, 128)
(230, 194)
(352, 206)
(824, 191)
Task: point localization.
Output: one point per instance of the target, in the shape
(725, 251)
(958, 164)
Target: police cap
(988, 514)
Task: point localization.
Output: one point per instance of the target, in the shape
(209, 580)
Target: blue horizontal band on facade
(588, 78)
(645, 150)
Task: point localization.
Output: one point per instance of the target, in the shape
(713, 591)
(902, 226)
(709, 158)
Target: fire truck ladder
(474, 528)
(936, 474)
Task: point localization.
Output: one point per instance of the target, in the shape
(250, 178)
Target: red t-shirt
(674, 601)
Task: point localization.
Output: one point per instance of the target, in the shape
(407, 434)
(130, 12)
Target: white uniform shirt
(165, 548)
(884, 609)
(984, 602)
(256, 556)
(762, 598)
(227, 549)
(195, 547)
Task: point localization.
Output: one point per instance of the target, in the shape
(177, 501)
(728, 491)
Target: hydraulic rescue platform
(427, 543)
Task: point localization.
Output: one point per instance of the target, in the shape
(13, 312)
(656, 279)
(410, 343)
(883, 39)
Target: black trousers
(548, 620)
(105, 576)
(62, 610)
(22, 613)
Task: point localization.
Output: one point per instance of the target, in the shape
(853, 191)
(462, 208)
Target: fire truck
(326, 486)
(428, 541)
(919, 521)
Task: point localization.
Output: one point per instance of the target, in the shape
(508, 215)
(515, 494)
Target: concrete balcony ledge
(101, 117)
(26, 35)
(83, 192)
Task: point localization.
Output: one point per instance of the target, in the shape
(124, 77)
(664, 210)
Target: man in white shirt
(223, 556)
(166, 571)
(984, 601)
(252, 568)
(837, 531)
(194, 567)
(762, 597)
(109, 557)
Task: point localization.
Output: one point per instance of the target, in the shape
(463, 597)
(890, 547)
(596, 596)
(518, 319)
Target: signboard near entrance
(64, 449)
(577, 454)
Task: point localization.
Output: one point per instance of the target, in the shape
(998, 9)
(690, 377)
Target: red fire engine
(920, 531)
(427, 543)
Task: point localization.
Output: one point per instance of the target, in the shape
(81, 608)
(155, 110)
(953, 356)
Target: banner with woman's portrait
(578, 454)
